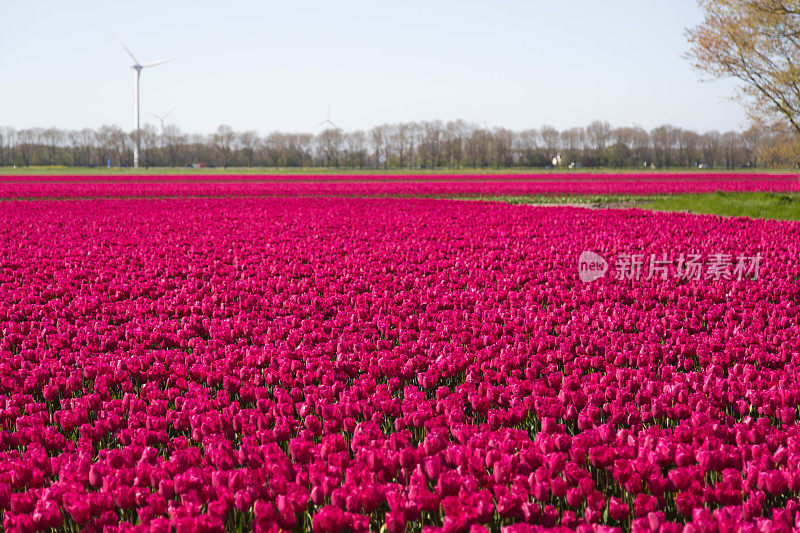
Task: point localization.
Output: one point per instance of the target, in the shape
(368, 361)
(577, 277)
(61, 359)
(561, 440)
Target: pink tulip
(329, 519)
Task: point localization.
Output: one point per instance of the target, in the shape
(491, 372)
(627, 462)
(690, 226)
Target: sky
(267, 65)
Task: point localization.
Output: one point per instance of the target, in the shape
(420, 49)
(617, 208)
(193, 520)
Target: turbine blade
(126, 48)
(169, 112)
(159, 62)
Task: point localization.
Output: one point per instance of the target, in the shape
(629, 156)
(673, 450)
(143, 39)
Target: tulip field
(132, 186)
(247, 355)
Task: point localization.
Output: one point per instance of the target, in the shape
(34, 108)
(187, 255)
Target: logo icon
(591, 266)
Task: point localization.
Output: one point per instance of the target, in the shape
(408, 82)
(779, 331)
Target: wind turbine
(161, 118)
(327, 120)
(137, 67)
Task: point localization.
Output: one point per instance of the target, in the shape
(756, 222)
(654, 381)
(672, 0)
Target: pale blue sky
(268, 65)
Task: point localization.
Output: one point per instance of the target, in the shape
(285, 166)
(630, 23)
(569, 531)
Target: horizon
(472, 126)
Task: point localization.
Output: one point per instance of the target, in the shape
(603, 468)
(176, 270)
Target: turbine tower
(327, 120)
(137, 67)
(162, 118)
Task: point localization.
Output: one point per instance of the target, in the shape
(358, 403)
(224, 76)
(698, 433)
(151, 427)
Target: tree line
(434, 144)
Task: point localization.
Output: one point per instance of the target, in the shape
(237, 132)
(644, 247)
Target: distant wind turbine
(327, 120)
(137, 67)
(162, 118)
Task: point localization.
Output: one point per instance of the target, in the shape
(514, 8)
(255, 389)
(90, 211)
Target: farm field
(51, 170)
(126, 186)
(347, 354)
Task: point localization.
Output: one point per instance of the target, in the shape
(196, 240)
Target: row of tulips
(389, 185)
(693, 177)
(390, 365)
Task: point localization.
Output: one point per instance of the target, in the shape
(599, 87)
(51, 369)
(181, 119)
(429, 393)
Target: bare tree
(528, 149)
(750, 141)
(27, 141)
(688, 143)
(249, 142)
(597, 135)
(355, 149)
(731, 148)
(330, 144)
(52, 140)
(113, 144)
(621, 149)
(377, 136)
(454, 143)
(709, 146)
(174, 142)
(224, 140)
(431, 144)
(641, 146)
(573, 141)
(551, 140)
(400, 141)
(502, 144)
(148, 142)
(425, 144)
(664, 140)
(82, 144)
(6, 135)
(476, 148)
(756, 42)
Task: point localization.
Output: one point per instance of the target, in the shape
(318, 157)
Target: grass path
(778, 206)
(103, 171)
